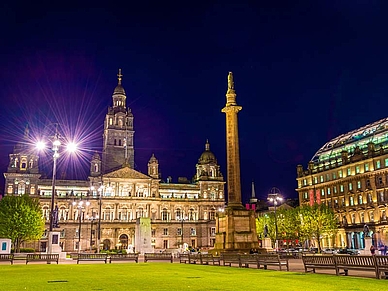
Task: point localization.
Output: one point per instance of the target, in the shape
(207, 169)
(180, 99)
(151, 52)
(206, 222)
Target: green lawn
(165, 276)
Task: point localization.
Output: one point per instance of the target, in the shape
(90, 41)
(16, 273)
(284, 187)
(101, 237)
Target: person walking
(372, 250)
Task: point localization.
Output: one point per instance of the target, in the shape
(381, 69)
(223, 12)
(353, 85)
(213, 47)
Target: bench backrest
(381, 260)
(158, 255)
(92, 256)
(42, 256)
(352, 260)
(269, 257)
(318, 259)
(6, 256)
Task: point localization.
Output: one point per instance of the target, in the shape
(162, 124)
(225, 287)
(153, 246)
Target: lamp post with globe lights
(70, 147)
(275, 198)
(80, 206)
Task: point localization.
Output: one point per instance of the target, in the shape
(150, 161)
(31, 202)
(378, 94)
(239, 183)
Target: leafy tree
(20, 219)
(288, 224)
(316, 221)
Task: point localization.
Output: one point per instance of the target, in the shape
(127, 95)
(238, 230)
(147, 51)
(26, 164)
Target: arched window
(123, 241)
(23, 164)
(212, 214)
(191, 214)
(31, 163)
(120, 122)
(119, 142)
(21, 188)
(46, 212)
(95, 167)
(115, 142)
(178, 214)
(164, 214)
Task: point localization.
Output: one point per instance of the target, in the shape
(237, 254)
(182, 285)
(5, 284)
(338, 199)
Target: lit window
(372, 216)
(335, 189)
(315, 180)
(340, 173)
(349, 172)
(353, 218)
(366, 167)
(362, 218)
(359, 199)
(165, 231)
(350, 186)
(351, 201)
(341, 188)
(358, 184)
(386, 162)
(378, 164)
(322, 192)
(357, 169)
(334, 176)
(321, 178)
(328, 191)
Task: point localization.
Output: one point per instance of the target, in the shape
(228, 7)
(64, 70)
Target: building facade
(103, 210)
(350, 175)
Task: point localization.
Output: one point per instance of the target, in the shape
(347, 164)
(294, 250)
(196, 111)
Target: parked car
(329, 251)
(348, 252)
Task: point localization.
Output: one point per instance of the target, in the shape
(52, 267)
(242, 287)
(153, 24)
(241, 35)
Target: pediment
(126, 173)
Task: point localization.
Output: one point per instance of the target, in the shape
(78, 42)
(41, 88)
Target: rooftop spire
(119, 75)
(231, 93)
(26, 131)
(207, 145)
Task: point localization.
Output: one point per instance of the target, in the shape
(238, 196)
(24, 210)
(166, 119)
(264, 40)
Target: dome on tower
(207, 156)
(119, 90)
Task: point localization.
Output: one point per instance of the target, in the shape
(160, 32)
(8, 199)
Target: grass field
(165, 276)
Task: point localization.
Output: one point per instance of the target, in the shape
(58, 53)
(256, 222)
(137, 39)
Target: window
(340, 173)
(179, 231)
(315, 180)
(366, 167)
(350, 186)
(165, 244)
(336, 203)
(212, 214)
(372, 216)
(369, 198)
(386, 162)
(351, 201)
(322, 192)
(381, 195)
(380, 181)
(335, 189)
(110, 121)
(193, 231)
(327, 177)
(164, 214)
(383, 215)
(334, 176)
(357, 169)
(367, 182)
(305, 195)
(353, 218)
(349, 172)
(328, 191)
(359, 199)
(341, 188)
(321, 178)
(378, 164)
(358, 184)
(362, 217)
(212, 231)
(153, 232)
(304, 182)
(343, 201)
(165, 231)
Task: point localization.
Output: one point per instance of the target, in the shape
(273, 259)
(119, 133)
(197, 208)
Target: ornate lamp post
(71, 147)
(274, 197)
(80, 207)
(101, 192)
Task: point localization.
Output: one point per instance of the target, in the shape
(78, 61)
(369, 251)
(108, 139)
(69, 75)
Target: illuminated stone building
(182, 210)
(350, 175)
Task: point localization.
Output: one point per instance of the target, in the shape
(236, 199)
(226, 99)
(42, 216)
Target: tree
(20, 219)
(316, 221)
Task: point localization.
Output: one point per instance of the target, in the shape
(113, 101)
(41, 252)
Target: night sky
(304, 73)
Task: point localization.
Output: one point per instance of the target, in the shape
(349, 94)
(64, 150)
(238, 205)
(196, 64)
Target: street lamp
(92, 218)
(80, 207)
(182, 219)
(101, 192)
(71, 147)
(274, 197)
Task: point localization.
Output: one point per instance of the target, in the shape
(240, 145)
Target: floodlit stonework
(350, 175)
(183, 209)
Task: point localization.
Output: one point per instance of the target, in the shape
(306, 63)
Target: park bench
(6, 258)
(247, 259)
(42, 258)
(158, 257)
(312, 261)
(381, 266)
(351, 262)
(206, 259)
(184, 258)
(230, 258)
(272, 260)
(124, 257)
(92, 257)
(194, 258)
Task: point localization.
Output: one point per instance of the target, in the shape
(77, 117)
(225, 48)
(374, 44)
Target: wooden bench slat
(158, 257)
(7, 258)
(92, 257)
(42, 258)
